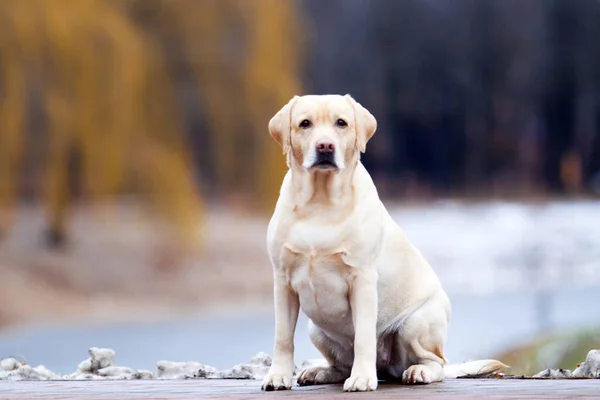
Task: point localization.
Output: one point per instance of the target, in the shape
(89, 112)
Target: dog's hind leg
(339, 360)
(423, 337)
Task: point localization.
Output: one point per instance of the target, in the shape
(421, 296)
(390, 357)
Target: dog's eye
(341, 123)
(305, 124)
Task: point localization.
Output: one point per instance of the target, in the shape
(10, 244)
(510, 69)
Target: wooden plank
(228, 389)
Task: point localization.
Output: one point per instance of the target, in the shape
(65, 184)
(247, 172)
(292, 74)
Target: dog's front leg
(287, 307)
(363, 302)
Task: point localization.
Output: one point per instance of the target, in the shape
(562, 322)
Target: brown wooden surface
(222, 389)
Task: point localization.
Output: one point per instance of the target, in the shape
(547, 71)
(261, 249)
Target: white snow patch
(553, 373)
(182, 369)
(257, 368)
(9, 364)
(11, 369)
(100, 365)
(590, 368)
(99, 359)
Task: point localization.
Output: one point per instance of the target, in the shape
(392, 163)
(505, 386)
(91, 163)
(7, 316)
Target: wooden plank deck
(228, 389)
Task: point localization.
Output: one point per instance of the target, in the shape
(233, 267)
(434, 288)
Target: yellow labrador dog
(376, 307)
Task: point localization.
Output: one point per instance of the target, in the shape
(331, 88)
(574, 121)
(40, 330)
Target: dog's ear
(364, 122)
(280, 125)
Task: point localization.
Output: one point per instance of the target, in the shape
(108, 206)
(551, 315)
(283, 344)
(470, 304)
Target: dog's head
(323, 132)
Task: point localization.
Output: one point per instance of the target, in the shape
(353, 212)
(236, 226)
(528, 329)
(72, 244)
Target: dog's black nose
(325, 148)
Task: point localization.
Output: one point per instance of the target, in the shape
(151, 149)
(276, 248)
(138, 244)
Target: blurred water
(502, 246)
(480, 326)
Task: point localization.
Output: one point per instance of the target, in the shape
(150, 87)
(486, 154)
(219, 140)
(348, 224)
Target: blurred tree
(271, 78)
(12, 110)
(106, 96)
(244, 59)
(110, 75)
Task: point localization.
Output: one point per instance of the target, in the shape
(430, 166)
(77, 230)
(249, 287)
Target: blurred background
(134, 152)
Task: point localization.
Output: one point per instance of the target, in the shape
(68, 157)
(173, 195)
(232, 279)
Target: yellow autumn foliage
(245, 59)
(106, 77)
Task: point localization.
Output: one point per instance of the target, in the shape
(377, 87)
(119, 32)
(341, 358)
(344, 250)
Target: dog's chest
(321, 284)
(316, 237)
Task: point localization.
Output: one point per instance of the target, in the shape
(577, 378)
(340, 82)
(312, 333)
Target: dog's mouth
(324, 164)
(325, 161)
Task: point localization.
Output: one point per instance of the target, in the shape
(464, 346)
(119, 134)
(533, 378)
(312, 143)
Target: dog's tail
(474, 368)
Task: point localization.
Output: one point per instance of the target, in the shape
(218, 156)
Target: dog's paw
(361, 383)
(277, 382)
(321, 376)
(419, 373)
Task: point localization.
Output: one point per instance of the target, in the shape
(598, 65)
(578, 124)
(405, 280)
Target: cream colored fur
(377, 309)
